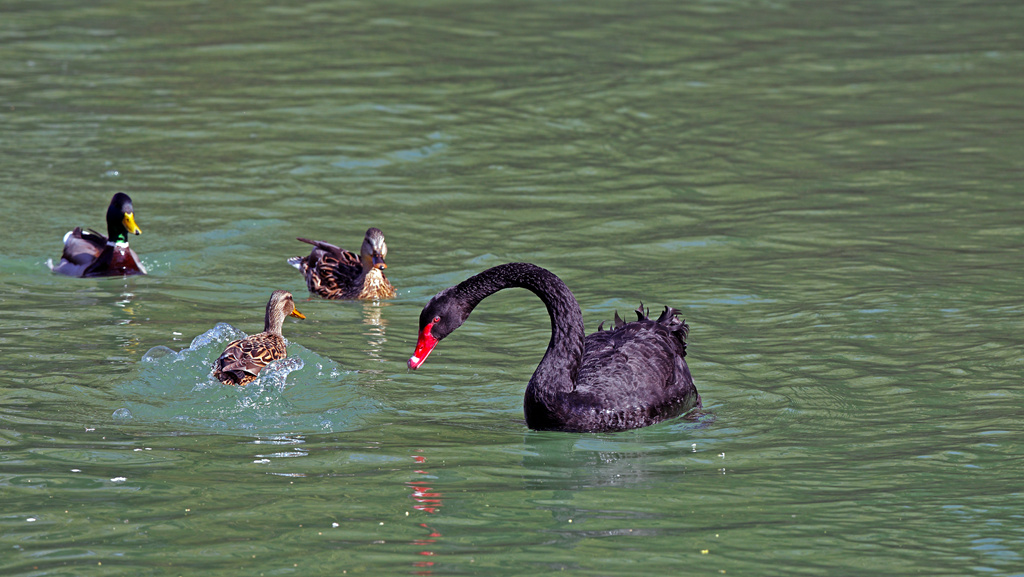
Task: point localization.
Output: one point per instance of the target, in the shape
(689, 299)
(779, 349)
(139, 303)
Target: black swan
(623, 378)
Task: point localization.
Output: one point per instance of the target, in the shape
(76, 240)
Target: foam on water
(177, 389)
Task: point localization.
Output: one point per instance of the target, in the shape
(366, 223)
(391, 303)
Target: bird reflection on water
(428, 501)
(129, 342)
(375, 330)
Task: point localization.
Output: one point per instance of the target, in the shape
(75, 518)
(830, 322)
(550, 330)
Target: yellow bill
(129, 223)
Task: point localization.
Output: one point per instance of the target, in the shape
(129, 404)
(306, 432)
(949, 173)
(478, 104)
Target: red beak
(424, 345)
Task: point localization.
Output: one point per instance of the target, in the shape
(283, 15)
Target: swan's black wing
(637, 370)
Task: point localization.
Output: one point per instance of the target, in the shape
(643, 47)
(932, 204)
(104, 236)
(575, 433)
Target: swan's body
(334, 273)
(88, 253)
(628, 377)
(243, 359)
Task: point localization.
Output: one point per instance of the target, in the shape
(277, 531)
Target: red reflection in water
(428, 501)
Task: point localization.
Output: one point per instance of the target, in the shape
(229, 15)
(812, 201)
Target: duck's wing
(83, 246)
(331, 272)
(243, 359)
(334, 278)
(320, 244)
(344, 256)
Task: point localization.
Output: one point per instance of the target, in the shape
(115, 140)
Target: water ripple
(178, 389)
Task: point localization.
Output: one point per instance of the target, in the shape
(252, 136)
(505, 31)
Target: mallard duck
(334, 273)
(89, 253)
(243, 359)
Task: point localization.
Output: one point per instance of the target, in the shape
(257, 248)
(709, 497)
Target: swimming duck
(243, 359)
(88, 253)
(335, 273)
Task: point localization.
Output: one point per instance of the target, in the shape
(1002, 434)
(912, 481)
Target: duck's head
(374, 250)
(443, 314)
(121, 218)
(281, 305)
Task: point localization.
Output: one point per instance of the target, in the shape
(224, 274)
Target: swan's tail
(671, 321)
(679, 329)
(668, 318)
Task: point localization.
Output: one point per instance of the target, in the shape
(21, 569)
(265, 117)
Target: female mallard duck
(334, 273)
(89, 253)
(243, 359)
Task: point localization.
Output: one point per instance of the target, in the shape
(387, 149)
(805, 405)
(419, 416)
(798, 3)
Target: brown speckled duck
(88, 253)
(243, 359)
(335, 273)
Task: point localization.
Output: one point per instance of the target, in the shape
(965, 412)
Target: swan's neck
(557, 371)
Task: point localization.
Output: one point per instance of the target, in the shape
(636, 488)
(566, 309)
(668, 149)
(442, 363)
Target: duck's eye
(437, 320)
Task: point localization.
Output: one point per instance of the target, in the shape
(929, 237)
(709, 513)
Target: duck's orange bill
(424, 345)
(295, 313)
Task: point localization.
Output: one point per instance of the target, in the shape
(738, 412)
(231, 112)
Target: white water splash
(302, 393)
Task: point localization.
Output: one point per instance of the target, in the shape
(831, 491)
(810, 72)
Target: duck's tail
(296, 261)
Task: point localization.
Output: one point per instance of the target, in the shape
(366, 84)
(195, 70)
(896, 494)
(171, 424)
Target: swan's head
(374, 250)
(442, 315)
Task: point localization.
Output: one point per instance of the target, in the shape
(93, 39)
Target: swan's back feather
(631, 376)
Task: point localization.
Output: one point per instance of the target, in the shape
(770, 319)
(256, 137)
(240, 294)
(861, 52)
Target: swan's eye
(437, 320)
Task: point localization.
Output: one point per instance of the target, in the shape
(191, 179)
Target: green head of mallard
(121, 218)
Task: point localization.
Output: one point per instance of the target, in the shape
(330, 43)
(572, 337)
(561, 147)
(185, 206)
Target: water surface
(827, 191)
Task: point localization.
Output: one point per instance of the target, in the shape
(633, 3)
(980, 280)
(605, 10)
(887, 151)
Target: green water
(829, 192)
